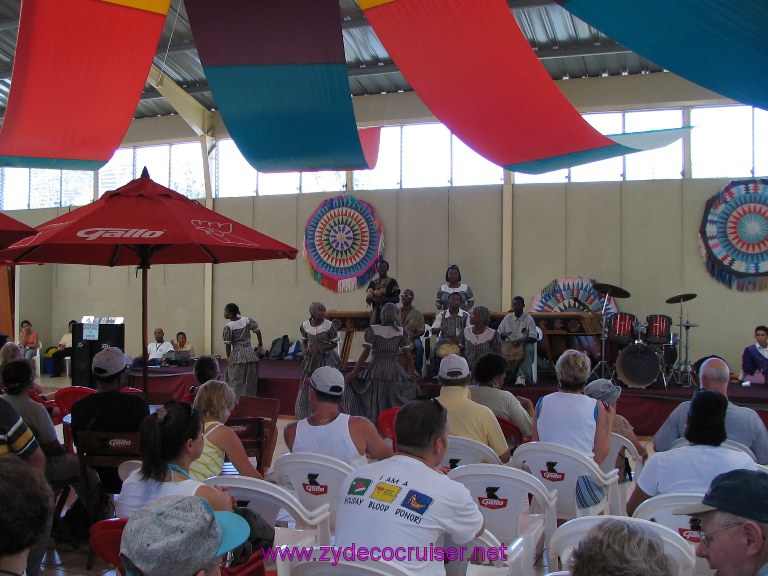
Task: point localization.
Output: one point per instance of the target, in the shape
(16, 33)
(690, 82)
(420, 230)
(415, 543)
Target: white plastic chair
(730, 444)
(315, 478)
(617, 443)
(463, 451)
(559, 467)
(567, 537)
(660, 509)
(38, 373)
(512, 565)
(127, 468)
(502, 494)
(312, 526)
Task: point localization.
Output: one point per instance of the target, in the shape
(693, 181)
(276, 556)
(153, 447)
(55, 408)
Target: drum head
(638, 365)
(446, 349)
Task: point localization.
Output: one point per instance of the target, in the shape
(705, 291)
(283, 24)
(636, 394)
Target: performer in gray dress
(478, 339)
(383, 383)
(243, 369)
(319, 340)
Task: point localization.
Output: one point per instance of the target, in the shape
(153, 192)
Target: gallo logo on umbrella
(93, 233)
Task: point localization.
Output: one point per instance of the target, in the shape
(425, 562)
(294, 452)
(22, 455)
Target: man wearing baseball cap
(179, 536)
(109, 410)
(465, 417)
(329, 431)
(733, 521)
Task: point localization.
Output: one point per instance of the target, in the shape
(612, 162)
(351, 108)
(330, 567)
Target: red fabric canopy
(78, 73)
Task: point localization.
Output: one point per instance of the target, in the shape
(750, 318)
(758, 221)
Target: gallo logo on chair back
(492, 499)
(551, 474)
(94, 233)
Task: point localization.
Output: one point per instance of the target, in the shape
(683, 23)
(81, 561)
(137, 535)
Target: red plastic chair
(188, 398)
(65, 399)
(105, 541)
(386, 425)
(49, 404)
(509, 428)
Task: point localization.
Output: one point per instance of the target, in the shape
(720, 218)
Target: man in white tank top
(329, 431)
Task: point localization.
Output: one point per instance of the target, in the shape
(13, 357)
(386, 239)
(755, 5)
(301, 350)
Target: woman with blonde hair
(215, 401)
(571, 418)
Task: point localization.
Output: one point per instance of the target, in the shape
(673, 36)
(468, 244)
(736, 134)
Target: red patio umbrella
(12, 230)
(144, 223)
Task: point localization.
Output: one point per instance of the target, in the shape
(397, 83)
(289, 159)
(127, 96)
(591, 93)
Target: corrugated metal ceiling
(567, 47)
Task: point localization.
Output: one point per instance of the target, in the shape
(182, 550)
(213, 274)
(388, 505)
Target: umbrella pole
(144, 344)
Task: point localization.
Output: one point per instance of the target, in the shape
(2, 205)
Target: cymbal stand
(601, 367)
(682, 374)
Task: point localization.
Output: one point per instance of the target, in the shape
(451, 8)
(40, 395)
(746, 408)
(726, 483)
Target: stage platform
(646, 409)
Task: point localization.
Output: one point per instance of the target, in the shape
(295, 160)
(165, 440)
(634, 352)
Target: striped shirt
(15, 437)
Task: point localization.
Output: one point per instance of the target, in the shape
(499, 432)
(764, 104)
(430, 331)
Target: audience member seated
(569, 417)
(64, 351)
(61, 467)
(329, 431)
(692, 468)
(618, 547)
(171, 439)
(181, 344)
(608, 393)
(207, 368)
(478, 338)
(742, 424)
(108, 410)
(732, 521)
(180, 536)
(157, 349)
(453, 285)
(26, 506)
(465, 417)
(28, 340)
(404, 501)
(11, 352)
(754, 360)
(17, 438)
(215, 401)
(489, 372)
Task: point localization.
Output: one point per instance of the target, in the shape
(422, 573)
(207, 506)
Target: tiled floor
(62, 560)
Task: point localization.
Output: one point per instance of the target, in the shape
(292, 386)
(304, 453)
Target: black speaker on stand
(83, 350)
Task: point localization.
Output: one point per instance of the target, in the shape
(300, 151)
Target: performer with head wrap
(477, 338)
(319, 340)
(382, 383)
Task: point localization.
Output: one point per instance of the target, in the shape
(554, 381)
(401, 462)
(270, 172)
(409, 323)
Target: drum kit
(647, 350)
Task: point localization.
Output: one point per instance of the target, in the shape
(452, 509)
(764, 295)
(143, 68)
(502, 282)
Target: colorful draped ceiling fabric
(79, 70)
(342, 242)
(733, 236)
(471, 65)
(718, 45)
(278, 73)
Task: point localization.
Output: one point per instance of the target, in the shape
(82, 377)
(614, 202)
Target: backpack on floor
(279, 347)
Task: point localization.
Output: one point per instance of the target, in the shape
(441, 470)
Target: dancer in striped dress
(243, 369)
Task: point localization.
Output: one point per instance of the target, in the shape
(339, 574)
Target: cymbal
(687, 324)
(611, 290)
(680, 298)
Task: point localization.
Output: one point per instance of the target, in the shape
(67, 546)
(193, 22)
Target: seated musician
(518, 330)
(448, 326)
(754, 360)
(181, 344)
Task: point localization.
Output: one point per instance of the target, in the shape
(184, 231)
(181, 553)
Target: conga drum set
(648, 351)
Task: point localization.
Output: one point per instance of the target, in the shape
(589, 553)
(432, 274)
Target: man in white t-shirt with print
(403, 503)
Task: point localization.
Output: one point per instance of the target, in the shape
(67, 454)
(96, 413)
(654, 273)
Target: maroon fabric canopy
(144, 223)
(12, 230)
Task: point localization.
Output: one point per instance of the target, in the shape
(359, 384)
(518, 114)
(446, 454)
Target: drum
(657, 329)
(446, 349)
(621, 328)
(669, 351)
(512, 352)
(638, 365)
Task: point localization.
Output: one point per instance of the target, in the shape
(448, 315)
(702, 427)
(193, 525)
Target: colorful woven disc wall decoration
(342, 242)
(733, 237)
